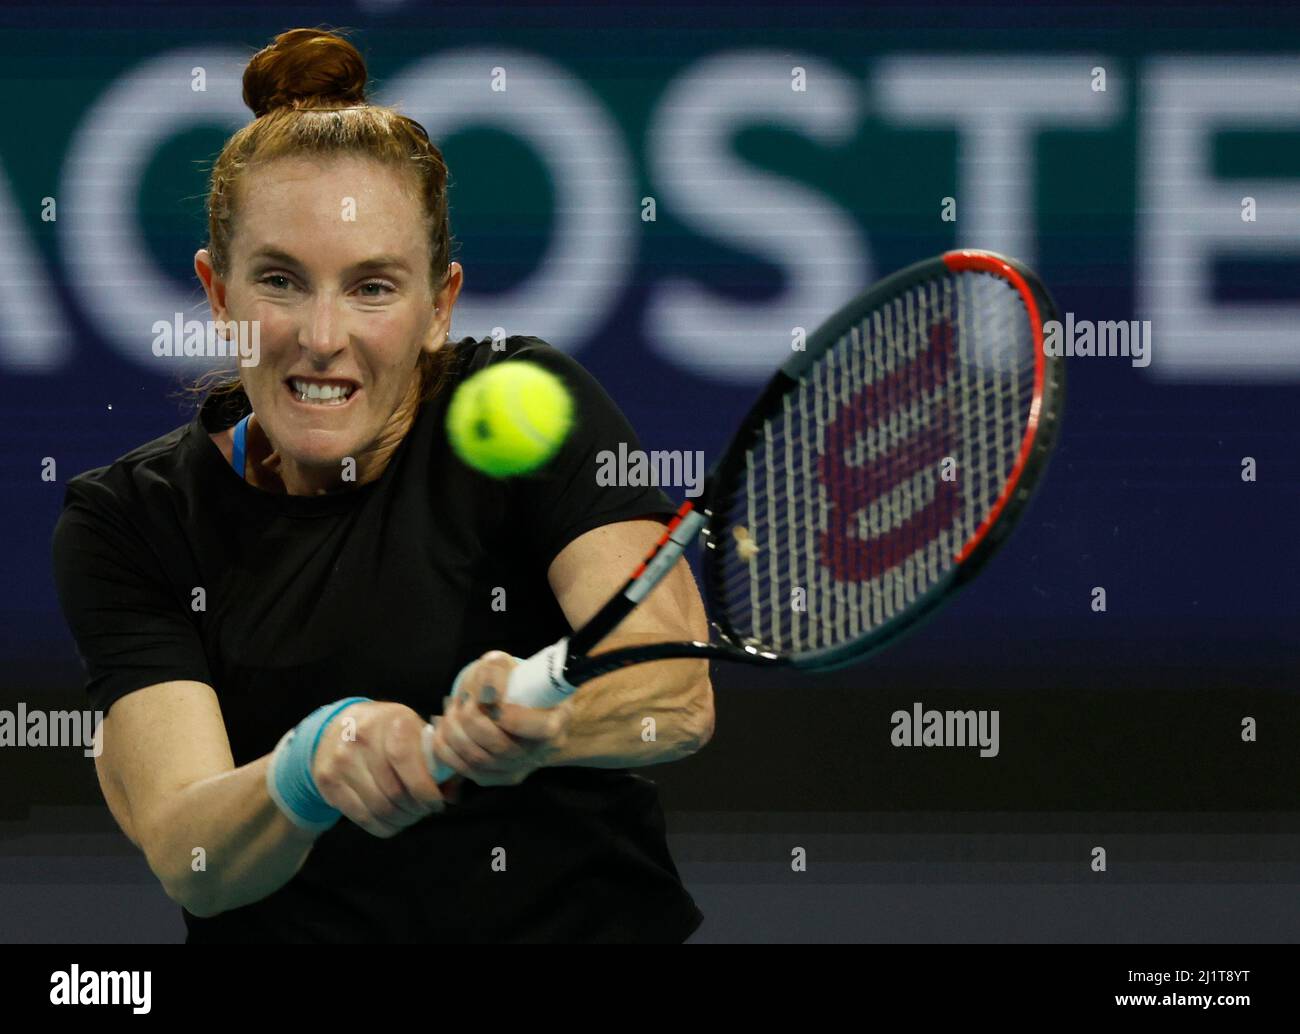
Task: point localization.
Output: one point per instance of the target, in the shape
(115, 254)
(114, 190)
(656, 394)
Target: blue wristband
(288, 777)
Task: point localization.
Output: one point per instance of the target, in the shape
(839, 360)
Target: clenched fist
(493, 743)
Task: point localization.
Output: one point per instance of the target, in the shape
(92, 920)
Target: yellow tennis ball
(509, 418)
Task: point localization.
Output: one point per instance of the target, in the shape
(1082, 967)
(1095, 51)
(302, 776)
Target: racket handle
(536, 682)
(539, 681)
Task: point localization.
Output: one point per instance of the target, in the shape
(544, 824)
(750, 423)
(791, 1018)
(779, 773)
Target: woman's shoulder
(473, 354)
(132, 480)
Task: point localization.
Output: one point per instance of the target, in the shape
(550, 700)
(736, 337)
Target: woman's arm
(171, 783)
(609, 720)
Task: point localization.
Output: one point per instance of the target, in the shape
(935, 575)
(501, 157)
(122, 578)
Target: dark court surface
(894, 879)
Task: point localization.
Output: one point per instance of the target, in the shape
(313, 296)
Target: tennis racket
(875, 476)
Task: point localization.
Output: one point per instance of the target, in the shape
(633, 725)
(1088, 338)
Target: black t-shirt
(385, 591)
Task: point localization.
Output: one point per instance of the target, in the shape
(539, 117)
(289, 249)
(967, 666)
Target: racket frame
(1042, 427)
(709, 523)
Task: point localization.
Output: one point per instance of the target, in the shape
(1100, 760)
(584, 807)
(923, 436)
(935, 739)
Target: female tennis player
(272, 600)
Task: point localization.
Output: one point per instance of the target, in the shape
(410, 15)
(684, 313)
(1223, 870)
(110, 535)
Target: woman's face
(331, 257)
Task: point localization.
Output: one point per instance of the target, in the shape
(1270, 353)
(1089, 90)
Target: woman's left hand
(494, 743)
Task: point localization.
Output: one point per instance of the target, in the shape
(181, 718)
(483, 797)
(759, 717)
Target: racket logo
(876, 483)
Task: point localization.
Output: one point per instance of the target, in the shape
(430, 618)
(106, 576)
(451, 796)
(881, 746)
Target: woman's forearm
(647, 714)
(221, 842)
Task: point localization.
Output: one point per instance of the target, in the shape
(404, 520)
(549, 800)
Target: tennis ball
(509, 418)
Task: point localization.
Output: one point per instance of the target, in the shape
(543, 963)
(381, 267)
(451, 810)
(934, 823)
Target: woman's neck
(266, 469)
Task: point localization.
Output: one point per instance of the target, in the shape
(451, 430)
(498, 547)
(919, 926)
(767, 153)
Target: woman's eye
(370, 289)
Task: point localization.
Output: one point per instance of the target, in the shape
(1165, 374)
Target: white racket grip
(536, 682)
(539, 681)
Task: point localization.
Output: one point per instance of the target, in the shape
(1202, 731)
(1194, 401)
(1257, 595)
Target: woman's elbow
(702, 721)
(195, 889)
(198, 901)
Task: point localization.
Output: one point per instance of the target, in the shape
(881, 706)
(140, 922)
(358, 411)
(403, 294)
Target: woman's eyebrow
(374, 262)
(382, 262)
(275, 255)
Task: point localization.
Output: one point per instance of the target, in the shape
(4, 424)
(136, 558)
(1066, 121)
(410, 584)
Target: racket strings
(863, 487)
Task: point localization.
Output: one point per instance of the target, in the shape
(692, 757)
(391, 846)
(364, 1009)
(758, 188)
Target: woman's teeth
(325, 394)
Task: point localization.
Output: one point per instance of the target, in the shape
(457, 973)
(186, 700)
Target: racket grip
(539, 681)
(536, 682)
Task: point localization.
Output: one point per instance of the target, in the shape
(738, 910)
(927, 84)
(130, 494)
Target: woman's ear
(213, 286)
(443, 302)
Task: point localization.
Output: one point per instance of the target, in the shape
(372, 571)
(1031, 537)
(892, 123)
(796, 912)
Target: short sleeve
(130, 628)
(564, 499)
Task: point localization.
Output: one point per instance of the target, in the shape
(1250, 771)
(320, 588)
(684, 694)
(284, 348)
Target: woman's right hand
(370, 765)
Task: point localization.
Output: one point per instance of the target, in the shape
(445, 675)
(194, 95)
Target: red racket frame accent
(983, 262)
(682, 511)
